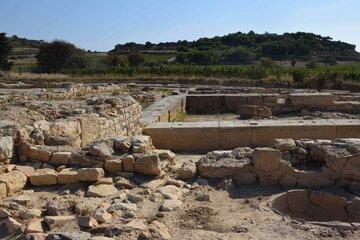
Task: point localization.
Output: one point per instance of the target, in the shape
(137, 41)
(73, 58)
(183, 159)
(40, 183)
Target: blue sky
(100, 24)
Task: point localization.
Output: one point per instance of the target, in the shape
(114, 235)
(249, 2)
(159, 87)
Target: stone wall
(303, 163)
(220, 103)
(100, 118)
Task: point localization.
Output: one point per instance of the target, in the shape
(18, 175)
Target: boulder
(26, 170)
(15, 181)
(101, 190)
(87, 222)
(171, 205)
(57, 221)
(266, 159)
(90, 174)
(42, 177)
(34, 226)
(6, 148)
(141, 144)
(103, 216)
(170, 192)
(122, 144)
(284, 144)
(135, 224)
(165, 154)
(213, 167)
(100, 149)
(187, 171)
(148, 165)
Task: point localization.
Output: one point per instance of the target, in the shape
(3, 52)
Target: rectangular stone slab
(223, 135)
(233, 134)
(185, 137)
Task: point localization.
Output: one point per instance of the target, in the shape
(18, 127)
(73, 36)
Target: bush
(59, 55)
(5, 49)
(267, 62)
(312, 64)
(135, 58)
(240, 55)
(115, 60)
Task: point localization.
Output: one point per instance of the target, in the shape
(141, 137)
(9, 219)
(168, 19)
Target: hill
(24, 51)
(240, 48)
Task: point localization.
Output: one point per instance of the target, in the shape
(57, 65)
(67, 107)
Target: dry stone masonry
(82, 161)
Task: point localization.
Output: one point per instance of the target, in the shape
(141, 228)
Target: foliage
(135, 58)
(5, 49)
(286, 46)
(312, 64)
(115, 60)
(59, 55)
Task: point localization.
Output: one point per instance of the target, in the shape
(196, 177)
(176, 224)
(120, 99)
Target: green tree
(115, 60)
(59, 55)
(238, 55)
(135, 58)
(5, 49)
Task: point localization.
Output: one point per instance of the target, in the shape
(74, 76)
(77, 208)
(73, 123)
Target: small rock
(87, 222)
(101, 190)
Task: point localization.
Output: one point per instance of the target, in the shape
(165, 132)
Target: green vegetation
(288, 60)
(243, 48)
(5, 49)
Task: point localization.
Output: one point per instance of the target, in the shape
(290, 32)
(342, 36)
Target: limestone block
(113, 165)
(90, 174)
(148, 165)
(6, 148)
(60, 158)
(68, 176)
(42, 177)
(15, 181)
(266, 159)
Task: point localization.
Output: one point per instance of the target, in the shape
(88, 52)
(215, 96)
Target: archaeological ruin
(172, 161)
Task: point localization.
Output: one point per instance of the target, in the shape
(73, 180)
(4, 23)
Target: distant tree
(5, 49)
(114, 60)
(59, 55)
(148, 45)
(240, 55)
(135, 58)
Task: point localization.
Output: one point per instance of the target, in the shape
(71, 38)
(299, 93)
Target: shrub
(267, 62)
(5, 49)
(59, 55)
(312, 64)
(115, 60)
(135, 58)
(240, 55)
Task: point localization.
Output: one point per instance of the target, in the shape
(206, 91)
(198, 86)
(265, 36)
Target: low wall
(222, 103)
(164, 110)
(227, 135)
